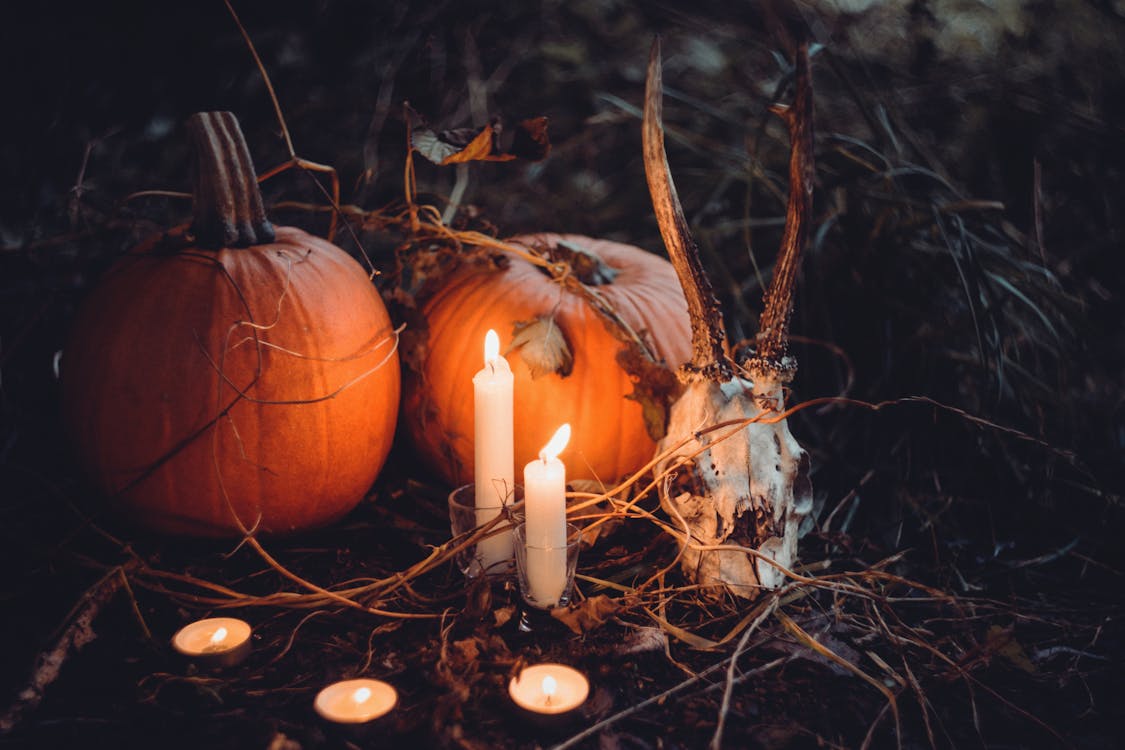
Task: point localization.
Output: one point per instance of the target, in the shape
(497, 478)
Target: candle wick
(492, 366)
(547, 702)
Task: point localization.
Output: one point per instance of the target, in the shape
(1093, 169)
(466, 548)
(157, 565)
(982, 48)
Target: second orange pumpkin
(609, 438)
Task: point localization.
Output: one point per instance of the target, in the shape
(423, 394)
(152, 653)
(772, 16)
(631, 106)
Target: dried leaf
(466, 651)
(643, 640)
(503, 615)
(281, 742)
(453, 146)
(543, 346)
(588, 615)
(528, 141)
(655, 388)
(1003, 641)
(478, 601)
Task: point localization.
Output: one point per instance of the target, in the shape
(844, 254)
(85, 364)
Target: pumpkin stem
(708, 336)
(772, 341)
(228, 209)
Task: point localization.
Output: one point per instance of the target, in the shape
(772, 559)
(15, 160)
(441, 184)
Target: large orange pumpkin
(610, 437)
(253, 385)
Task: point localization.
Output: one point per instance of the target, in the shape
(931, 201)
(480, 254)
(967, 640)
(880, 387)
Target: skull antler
(761, 469)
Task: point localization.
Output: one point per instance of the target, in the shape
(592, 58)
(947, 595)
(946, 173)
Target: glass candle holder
(546, 574)
(493, 555)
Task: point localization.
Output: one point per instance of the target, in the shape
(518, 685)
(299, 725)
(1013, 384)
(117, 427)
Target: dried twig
(79, 631)
(728, 691)
(660, 698)
(296, 161)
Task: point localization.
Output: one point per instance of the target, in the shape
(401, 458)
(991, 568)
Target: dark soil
(1001, 491)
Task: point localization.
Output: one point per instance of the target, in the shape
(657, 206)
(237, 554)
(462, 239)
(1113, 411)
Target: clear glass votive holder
(546, 574)
(493, 555)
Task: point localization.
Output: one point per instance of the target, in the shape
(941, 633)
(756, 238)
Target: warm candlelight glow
(549, 689)
(544, 529)
(355, 701)
(491, 346)
(556, 444)
(214, 642)
(550, 685)
(493, 441)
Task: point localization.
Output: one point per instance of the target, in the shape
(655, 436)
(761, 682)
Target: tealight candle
(355, 701)
(493, 467)
(549, 689)
(214, 642)
(544, 488)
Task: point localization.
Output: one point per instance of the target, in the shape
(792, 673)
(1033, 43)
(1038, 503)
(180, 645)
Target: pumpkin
(232, 377)
(570, 363)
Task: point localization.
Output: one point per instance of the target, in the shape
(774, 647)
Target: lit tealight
(355, 701)
(549, 689)
(214, 642)
(217, 640)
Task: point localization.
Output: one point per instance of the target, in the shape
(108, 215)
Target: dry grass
(962, 584)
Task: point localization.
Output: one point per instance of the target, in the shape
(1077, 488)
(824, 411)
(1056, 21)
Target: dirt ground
(963, 274)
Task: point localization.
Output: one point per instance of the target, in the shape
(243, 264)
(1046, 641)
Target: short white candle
(215, 641)
(493, 462)
(549, 688)
(355, 701)
(544, 487)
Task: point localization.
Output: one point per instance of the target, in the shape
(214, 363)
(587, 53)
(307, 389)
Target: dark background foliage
(915, 283)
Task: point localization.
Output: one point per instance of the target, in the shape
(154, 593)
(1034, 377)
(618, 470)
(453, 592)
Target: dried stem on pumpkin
(708, 337)
(228, 210)
(296, 161)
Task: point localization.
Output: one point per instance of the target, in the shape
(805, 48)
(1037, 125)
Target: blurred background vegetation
(967, 245)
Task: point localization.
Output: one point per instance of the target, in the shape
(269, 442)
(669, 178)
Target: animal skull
(747, 486)
(738, 486)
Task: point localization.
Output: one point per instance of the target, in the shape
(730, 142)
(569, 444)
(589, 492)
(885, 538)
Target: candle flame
(550, 687)
(218, 636)
(361, 695)
(556, 444)
(491, 346)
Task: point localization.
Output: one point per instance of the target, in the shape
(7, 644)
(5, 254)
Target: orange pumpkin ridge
(609, 438)
(218, 390)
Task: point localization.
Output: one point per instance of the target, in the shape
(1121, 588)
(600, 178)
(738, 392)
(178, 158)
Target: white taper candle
(493, 464)
(544, 483)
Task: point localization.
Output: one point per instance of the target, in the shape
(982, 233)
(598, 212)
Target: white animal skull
(738, 486)
(746, 486)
